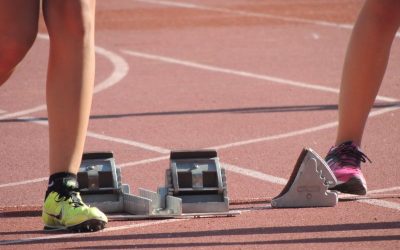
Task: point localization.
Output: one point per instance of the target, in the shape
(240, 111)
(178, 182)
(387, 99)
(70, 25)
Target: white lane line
(229, 145)
(211, 68)
(297, 132)
(128, 142)
(384, 190)
(382, 203)
(106, 137)
(120, 70)
(254, 174)
(23, 112)
(252, 14)
(18, 183)
(246, 13)
(71, 235)
(145, 161)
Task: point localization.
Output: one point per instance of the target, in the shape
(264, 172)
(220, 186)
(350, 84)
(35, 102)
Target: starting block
(100, 185)
(195, 187)
(309, 184)
(197, 178)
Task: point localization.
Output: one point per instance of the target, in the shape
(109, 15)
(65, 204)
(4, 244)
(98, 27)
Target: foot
(64, 209)
(344, 161)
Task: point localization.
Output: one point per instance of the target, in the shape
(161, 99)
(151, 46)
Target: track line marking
(120, 70)
(384, 190)
(12, 184)
(229, 145)
(71, 235)
(128, 142)
(106, 137)
(252, 14)
(211, 68)
(382, 203)
(297, 132)
(255, 174)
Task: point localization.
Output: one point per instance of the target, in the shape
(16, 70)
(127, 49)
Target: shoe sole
(86, 226)
(353, 186)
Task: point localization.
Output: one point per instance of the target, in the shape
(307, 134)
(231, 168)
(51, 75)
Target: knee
(71, 19)
(13, 48)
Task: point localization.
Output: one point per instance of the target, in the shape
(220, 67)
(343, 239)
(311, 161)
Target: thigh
(18, 21)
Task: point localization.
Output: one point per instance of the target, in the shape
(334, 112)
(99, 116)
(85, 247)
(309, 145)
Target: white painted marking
(253, 14)
(106, 137)
(70, 235)
(23, 112)
(145, 161)
(12, 184)
(384, 190)
(382, 203)
(128, 142)
(249, 172)
(297, 132)
(211, 68)
(255, 174)
(120, 70)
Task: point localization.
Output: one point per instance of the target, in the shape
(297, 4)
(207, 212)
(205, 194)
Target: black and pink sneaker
(344, 161)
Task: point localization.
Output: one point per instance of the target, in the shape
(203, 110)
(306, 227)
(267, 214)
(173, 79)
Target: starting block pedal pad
(309, 184)
(197, 178)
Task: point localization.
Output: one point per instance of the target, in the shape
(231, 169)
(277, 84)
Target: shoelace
(346, 155)
(70, 193)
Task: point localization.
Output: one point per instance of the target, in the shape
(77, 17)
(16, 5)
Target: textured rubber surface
(353, 186)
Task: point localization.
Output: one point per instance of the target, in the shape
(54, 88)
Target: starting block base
(309, 184)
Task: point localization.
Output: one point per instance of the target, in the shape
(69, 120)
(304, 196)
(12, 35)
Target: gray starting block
(197, 178)
(309, 184)
(195, 186)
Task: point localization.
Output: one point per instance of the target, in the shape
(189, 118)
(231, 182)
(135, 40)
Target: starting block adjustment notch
(309, 184)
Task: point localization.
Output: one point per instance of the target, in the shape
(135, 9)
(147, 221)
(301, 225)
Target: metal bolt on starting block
(309, 184)
(197, 178)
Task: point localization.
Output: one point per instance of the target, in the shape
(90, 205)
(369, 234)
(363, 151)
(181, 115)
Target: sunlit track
(128, 114)
(120, 70)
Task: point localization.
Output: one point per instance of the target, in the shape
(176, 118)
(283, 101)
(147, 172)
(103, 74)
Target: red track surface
(174, 105)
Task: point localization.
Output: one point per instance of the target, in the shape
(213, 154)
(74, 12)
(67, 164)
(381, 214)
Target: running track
(257, 80)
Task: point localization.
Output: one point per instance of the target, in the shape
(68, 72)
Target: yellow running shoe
(64, 209)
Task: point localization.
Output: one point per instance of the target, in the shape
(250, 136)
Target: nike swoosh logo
(51, 184)
(57, 216)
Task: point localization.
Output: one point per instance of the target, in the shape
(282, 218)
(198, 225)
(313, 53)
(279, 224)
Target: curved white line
(120, 70)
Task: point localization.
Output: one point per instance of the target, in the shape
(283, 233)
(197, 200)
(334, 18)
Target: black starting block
(309, 184)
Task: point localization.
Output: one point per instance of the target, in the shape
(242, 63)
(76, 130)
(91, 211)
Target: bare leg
(70, 79)
(18, 29)
(365, 65)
